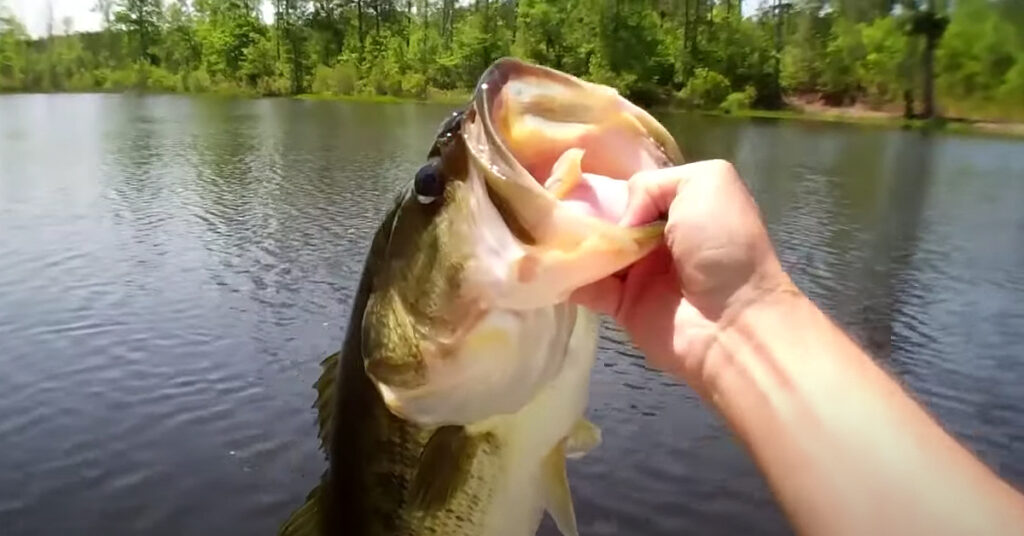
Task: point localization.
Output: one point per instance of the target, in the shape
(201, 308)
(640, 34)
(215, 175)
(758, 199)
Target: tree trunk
(928, 73)
(359, 24)
(778, 52)
(446, 22)
(686, 25)
(375, 5)
(277, 27)
(696, 26)
(908, 104)
(930, 25)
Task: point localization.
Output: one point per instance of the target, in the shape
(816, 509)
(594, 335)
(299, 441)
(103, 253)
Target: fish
(462, 383)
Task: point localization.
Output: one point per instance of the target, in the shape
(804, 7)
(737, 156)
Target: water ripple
(172, 270)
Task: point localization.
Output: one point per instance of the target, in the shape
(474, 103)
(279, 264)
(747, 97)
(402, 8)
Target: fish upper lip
(488, 88)
(499, 73)
(496, 159)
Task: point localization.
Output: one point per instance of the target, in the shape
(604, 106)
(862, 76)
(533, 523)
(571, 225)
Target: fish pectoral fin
(584, 437)
(308, 519)
(443, 467)
(558, 499)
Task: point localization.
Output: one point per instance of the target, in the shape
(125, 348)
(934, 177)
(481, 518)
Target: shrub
(414, 85)
(120, 79)
(338, 80)
(198, 81)
(705, 90)
(1012, 90)
(155, 78)
(82, 81)
(273, 85)
(740, 100)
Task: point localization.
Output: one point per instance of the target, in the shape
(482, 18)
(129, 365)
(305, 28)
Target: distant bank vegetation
(959, 58)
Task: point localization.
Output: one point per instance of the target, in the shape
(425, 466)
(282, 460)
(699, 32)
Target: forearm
(845, 450)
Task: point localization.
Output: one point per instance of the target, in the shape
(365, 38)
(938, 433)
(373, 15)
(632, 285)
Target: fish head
(516, 207)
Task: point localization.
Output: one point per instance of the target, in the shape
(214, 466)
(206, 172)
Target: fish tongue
(588, 193)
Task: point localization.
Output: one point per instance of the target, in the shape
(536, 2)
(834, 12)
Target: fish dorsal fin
(324, 403)
(584, 437)
(443, 468)
(308, 520)
(557, 498)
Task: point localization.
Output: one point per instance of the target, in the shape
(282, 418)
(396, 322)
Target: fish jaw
(496, 369)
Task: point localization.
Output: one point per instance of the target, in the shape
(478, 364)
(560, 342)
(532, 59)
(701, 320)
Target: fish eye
(429, 182)
(450, 128)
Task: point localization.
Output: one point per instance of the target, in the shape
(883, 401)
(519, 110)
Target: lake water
(173, 269)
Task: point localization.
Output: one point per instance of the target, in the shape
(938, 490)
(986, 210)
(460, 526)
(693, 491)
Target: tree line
(966, 55)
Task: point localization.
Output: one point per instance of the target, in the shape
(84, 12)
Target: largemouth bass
(462, 382)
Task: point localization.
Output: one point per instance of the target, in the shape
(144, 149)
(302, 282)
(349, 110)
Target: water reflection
(172, 270)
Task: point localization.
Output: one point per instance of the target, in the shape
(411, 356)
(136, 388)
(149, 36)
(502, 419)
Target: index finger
(651, 191)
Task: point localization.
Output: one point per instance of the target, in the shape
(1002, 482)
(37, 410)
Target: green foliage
(260, 68)
(479, 39)
(140, 20)
(180, 49)
(884, 70)
(338, 80)
(706, 90)
(706, 52)
(13, 52)
(844, 53)
(974, 57)
(739, 101)
(1012, 89)
(197, 81)
(629, 52)
(739, 49)
(804, 59)
(414, 85)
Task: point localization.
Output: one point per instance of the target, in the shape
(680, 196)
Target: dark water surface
(173, 269)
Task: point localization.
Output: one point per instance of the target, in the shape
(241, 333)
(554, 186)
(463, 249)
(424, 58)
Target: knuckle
(644, 179)
(722, 168)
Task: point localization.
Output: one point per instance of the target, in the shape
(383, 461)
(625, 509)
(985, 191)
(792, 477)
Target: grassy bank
(817, 114)
(433, 96)
(849, 116)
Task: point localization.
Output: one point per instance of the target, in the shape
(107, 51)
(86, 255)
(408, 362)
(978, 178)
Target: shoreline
(434, 97)
(851, 116)
(845, 115)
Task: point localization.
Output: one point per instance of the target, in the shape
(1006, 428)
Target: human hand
(716, 262)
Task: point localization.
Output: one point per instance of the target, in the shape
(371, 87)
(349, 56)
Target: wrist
(743, 335)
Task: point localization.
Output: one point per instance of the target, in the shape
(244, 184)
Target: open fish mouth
(555, 153)
(578, 141)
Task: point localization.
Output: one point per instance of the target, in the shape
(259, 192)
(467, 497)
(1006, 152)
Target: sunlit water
(173, 269)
